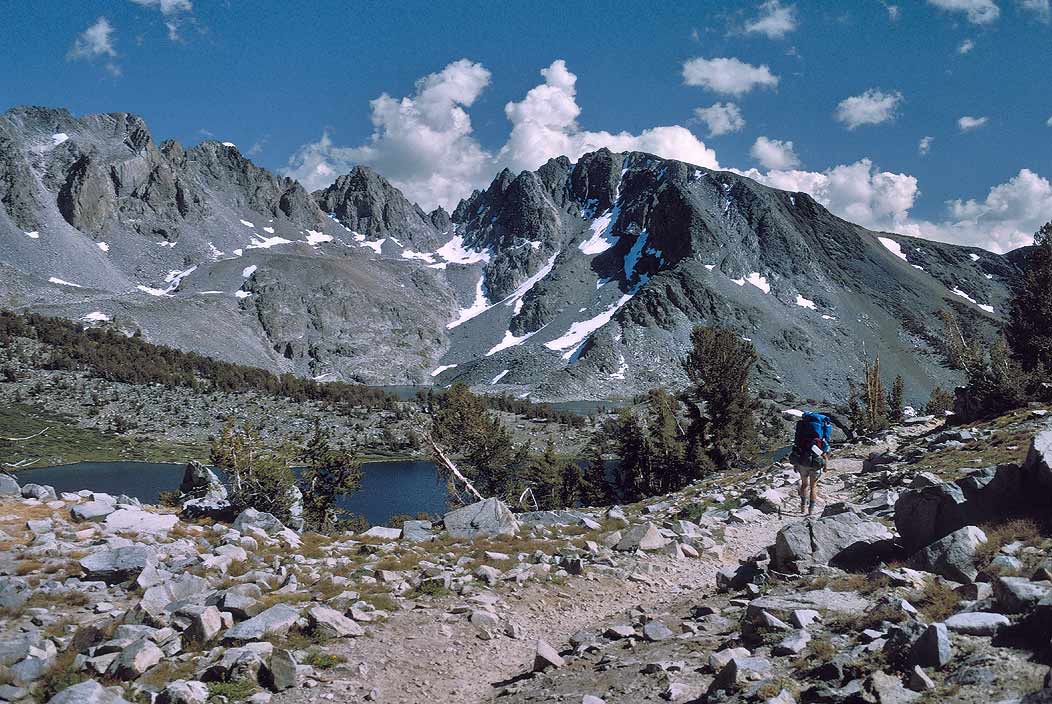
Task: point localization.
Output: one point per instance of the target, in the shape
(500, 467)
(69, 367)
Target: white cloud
(171, 9)
(544, 124)
(966, 46)
(893, 11)
(1041, 8)
(871, 108)
(167, 7)
(968, 123)
(425, 146)
(977, 11)
(1006, 219)
(727, 75)
(1048, 122)
(774, 153)
(95, 41)
(721, 118)
(775, 21)
(858, 192)
(924, 146)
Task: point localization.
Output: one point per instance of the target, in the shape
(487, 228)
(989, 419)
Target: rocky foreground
(910, 585)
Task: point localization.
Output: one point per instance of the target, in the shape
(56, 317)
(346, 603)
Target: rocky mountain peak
(365, 202)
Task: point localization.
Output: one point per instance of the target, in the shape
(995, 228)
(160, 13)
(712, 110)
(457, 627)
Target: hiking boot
(803, 504)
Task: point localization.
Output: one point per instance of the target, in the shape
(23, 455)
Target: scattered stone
(657, 631)
(546, 657)
(136, 659)
(793, 644)
(933, 648)
(89, 692)
(183, 692)
(919, 680)
(843, 539)
(277, 620)
(889, 689)
(977, 623)
(482, 519)
(91, 511)
(383, 533)
(952, 556)
(117, 564)
(644, 536)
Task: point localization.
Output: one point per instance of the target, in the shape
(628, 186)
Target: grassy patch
(61, 675)
(1007, 445)
(235, 691)
(1001, 534)
(65, 442)
(936, 601)
(861, 583)
(323, 661)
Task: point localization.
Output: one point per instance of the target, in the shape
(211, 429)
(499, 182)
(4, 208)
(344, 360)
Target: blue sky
(854, 86)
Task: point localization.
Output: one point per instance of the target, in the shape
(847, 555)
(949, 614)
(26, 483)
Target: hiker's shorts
(809, 472)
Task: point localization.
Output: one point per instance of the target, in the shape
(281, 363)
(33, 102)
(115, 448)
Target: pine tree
(258, 476)
(897, 401)
(718, 366)
(571, 492)
(632, 456)
(546, 478)
(330, 472)
(1028, 333)
(595, 486)
(666, 444)
(939, 402)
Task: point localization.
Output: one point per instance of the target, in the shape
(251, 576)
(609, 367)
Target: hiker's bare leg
(814, 492)
(803, 490)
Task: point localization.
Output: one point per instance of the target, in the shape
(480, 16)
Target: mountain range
(575, 281)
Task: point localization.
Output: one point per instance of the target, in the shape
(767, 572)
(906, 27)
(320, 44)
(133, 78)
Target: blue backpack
(810, 426)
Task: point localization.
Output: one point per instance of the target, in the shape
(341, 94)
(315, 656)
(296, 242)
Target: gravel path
(431, 655)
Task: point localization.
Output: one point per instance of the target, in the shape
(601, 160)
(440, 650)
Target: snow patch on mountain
(438, 370)
(499, 377)
(315, 238)
(602, 237)
(246, 223)
(893, 247)
(97, 317)
(479, 306)
(267, 243)
(805, 302)
(249, 271)
(34, 235)
(758, 281)
(579, 332)
(103, 246)
(455, 252)
(63, 282)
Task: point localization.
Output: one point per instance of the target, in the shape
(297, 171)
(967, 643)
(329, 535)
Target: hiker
(808, 456)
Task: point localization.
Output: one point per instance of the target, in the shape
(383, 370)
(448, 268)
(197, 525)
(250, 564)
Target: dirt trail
(430, 655)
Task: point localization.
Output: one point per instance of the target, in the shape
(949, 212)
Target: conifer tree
(632, 456)
(546, 478)
(897, 401)
(718, 366)
(330, 472)
(258, 475)
(1028, 333)
(595, 486)
(666, 444)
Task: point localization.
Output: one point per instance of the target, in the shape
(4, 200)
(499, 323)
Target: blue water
(388, 488)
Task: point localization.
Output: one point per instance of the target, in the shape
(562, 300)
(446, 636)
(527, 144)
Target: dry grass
(860, 583)
(771, 688)
(273, 599)
(997, 536)
(936, 601)
(169, 670)
(819, 650)
(871, 618)
(400, 562)
(28, 567)
(1007, 445)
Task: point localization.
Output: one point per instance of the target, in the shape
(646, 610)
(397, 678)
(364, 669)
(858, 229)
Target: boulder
(245, 662)
(136, 659)
(9, 485)
(952, 556)
(845, 539)
(281, 672)
(205, 622)
(1015, 595)
(117, 564)
(480, 520)
(203, 495)
(92, 511)
(644, 536)
(39, 491)
(183, 692)
(383, 533)
(739, 671)
(824, 601)
(331, 623)
(89, 692)
(889, 689)
(136, 521)
(186, 588)
(545, 657)
(418, 531)
(978, 623)
(260, 520)
(933, 648)
(277, 620)
(925, 514)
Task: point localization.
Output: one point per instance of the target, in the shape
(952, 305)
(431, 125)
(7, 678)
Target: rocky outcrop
(844, 539)
(487, 518)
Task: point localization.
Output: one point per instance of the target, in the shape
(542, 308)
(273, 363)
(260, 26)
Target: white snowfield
(579, 331)
(242, 294)
(97, 317)
(514, 299)
(499, 377)
(62, 282)
(478, 306)
(375, 246)
(249, 271)
(602, 237)
(58, 138)
(893, 247)
(246, 223)
(438, 370)
(805, 302)
(621, 369)
(268, 230)
(314, 238)
(34, 235)
(103, 246)
(511, 340)
(159, 292)
(267, 243)
(758, 281)
(965, 296)
(455, 252)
